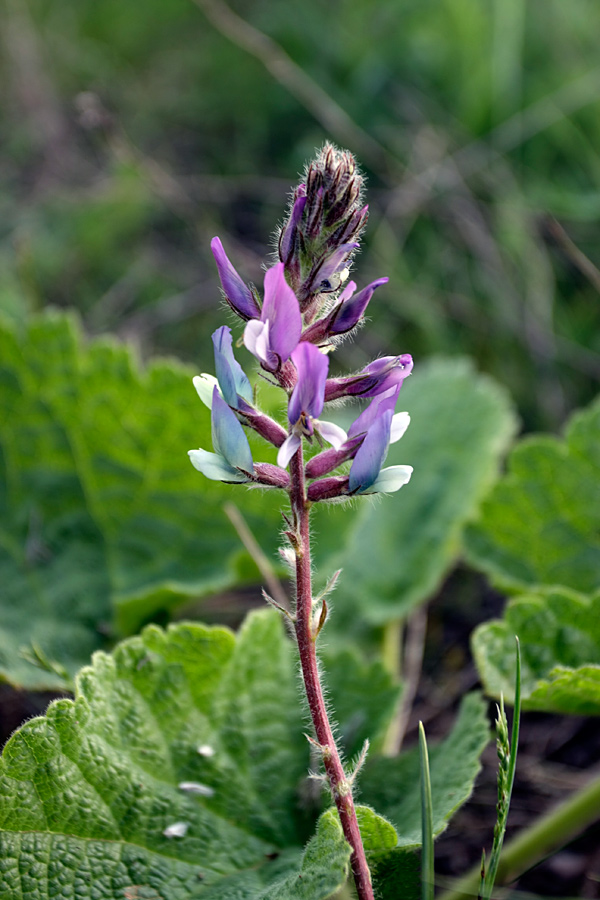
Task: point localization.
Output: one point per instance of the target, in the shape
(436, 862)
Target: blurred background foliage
(132, 133)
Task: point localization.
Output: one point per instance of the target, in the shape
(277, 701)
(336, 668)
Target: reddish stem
(340, 787)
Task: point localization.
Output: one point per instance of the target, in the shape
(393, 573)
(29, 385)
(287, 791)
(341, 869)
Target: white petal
(214, 466)
(288, 448)
(205, 384)
(256, 339)
(390, 480)
(333, 434)
(400, 423)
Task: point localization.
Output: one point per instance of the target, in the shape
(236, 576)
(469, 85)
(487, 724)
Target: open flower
(306, 403)
(273, 337)
(232, 459)
(381, 428)
(237, 293)
(367, 444)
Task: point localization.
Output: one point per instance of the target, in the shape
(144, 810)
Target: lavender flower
(237, 293)
(306, 403)
(273, 337)
(378, 376)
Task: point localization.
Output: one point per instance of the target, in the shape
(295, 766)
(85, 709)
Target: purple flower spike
(230, 375)
(237, 293)
(274, 336)
(308, 395)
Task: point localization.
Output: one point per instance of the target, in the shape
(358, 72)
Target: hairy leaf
(104, 520)
(392, 786)
(400, 548)
(540, 527)
(559, 634)
(363, 699)
(173, 774)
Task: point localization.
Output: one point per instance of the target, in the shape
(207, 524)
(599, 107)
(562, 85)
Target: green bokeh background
(132, 133)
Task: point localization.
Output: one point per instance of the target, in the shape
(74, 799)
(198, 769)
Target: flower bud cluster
(306, 309)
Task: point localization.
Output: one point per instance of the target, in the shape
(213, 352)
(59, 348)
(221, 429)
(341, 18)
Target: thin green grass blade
(427, 858)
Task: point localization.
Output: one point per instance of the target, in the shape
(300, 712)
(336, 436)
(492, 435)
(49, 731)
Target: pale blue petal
(390, 480)
(205, 385)
(214, 466)
(232, 378)
(229, 438)
(371, 454)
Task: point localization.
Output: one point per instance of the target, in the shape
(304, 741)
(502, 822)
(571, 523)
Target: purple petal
(352, 310)
(371, 454)
(238, 294)
(288, 235)
(382, 403)
(281, 310)
(228, 436)
(308, 395)
(230, 375)
(332, 264)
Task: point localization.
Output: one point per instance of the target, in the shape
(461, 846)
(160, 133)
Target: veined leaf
(400, 548)
(176, 772)
(173, 774)
(104, 520)
(392, 786)
(540, 526)
(559, 633)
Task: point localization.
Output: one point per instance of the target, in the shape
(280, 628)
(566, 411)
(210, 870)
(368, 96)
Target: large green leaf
(559, 634)
(540, 527)
(89, 790)
(392, 786)
(400, 548)
(363, 699)
(104, 521)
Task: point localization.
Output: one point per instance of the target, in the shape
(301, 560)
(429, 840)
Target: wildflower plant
(307, 308)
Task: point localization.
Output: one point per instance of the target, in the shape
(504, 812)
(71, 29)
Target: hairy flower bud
(324, 223)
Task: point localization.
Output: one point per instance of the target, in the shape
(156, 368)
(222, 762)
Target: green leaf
(559, 633)
(104, 521)
(395, 871)
(540, 527)
(400, 548)
(392, 786)
(88, 791)
(363, 699)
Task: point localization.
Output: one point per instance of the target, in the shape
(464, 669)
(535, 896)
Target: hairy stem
(341, 788)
